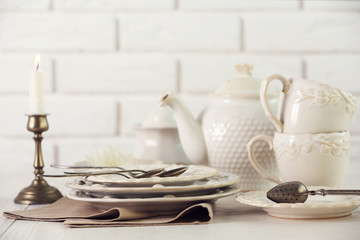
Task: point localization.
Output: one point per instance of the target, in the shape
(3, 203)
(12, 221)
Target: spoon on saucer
(296, 192)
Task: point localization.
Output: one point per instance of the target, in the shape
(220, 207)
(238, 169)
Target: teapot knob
(244, 70)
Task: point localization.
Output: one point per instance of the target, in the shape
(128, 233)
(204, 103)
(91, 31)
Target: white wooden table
(232, 221)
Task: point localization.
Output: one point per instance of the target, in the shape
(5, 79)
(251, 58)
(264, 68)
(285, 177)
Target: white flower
(112, 157)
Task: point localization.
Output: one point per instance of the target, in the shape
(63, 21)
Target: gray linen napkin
(81, 214)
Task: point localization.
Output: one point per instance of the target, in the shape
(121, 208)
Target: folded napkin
(82, 214)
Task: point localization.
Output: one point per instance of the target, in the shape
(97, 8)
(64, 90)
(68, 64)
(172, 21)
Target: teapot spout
(190, 131)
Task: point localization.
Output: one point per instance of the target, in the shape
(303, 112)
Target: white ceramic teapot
(234, 115)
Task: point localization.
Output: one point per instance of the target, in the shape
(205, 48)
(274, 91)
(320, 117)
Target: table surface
(232, 220)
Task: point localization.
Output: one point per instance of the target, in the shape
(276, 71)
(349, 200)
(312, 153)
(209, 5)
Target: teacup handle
(264, 102)
(255, 163)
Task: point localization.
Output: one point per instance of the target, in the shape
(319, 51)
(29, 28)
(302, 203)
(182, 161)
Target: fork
(141, 174)
(160, 172)
(135, 173)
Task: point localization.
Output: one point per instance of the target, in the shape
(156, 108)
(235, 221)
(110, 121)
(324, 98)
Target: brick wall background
(107, 62)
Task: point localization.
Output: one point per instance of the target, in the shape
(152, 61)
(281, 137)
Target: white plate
(193, 173)
(316, 207)
(164, 204)
(203, 186)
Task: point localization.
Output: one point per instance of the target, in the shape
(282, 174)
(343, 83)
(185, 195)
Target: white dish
(316, 207)
(203, 186)
(166, 204)
(193, 173)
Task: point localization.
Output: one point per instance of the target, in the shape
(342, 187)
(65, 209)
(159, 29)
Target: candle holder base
(39, 192)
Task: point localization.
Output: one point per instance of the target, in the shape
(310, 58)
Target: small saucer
(316, 207)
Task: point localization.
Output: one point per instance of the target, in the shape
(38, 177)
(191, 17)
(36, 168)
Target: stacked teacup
(312, 143)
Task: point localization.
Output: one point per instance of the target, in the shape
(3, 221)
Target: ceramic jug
(309, 107)
(234, 115)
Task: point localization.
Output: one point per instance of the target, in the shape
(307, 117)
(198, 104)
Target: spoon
(173, 172)
(85, 174)
(145, 174)
(170, 173)
(92, 167)
(296, 192)
(148, 174)
(160, 172)
(135, 173)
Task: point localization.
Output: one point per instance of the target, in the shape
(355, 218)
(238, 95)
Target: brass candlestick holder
(39, 192)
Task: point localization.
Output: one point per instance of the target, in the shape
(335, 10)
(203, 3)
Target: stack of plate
(158, 194)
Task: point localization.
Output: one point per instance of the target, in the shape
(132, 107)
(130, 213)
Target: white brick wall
(325, 5)
(302, 31)
(15, 81)
(57, 32)
(340, 71)
(13, 122)
(110, 5)
(115, 74)
(180, 32)
(204, 73)
(134, 109)
(107, 62)
(238, 5)
(25, 5)
(82, 116)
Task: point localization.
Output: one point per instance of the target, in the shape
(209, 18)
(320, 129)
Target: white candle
(36, 89)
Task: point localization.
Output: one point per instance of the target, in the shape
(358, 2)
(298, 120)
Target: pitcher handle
(255, 163)
(264, 102)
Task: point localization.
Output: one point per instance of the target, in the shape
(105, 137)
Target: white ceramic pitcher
(309, 107)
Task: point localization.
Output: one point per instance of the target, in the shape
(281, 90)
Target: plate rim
(165, 199)
(232, 179)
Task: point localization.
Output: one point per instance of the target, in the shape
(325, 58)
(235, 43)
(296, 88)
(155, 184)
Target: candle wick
(37, 67)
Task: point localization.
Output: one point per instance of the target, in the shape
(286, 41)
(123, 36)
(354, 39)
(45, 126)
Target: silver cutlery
(86, 174)
(134, 173)
(91, 167)
(296, 192)
(173, 172)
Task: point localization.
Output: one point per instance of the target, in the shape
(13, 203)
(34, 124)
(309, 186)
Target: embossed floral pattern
(326, 143)
(351, 105)
(322, 98)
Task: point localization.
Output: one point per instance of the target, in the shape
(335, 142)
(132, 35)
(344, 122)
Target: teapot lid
(244, 84)
(161, 117)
